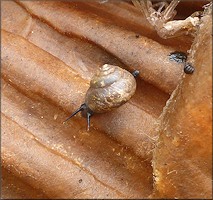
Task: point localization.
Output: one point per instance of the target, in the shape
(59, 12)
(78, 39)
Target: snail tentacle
(85, 112)
(109, 88)
(81, 108)
(88, 120)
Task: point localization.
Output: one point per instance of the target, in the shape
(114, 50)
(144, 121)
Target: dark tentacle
(88, 120)
(82, 107)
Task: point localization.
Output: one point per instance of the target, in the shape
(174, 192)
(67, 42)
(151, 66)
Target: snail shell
(188, 68)
(111, 87)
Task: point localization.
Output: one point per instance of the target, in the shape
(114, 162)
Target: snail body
(109, 88)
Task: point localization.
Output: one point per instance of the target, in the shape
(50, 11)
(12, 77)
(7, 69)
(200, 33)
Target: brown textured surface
(50, 50)
(15, 188)
(120, 42)
(183, 156)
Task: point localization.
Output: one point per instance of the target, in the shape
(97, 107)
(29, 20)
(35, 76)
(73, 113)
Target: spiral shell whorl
(111, 87)
(107, 75)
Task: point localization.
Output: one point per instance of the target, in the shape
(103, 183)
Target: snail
(188, 68)
(109, 88)
(181, 57)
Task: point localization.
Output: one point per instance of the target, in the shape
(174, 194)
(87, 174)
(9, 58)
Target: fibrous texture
(183, 157)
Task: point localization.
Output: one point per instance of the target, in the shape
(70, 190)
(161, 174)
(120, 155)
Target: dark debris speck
(178, 56)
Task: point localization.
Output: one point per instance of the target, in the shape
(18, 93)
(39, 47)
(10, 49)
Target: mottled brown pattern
(110, 88)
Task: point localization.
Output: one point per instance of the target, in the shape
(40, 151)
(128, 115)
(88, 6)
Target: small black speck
(135, 73)
(80, 180)
(137, 36)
